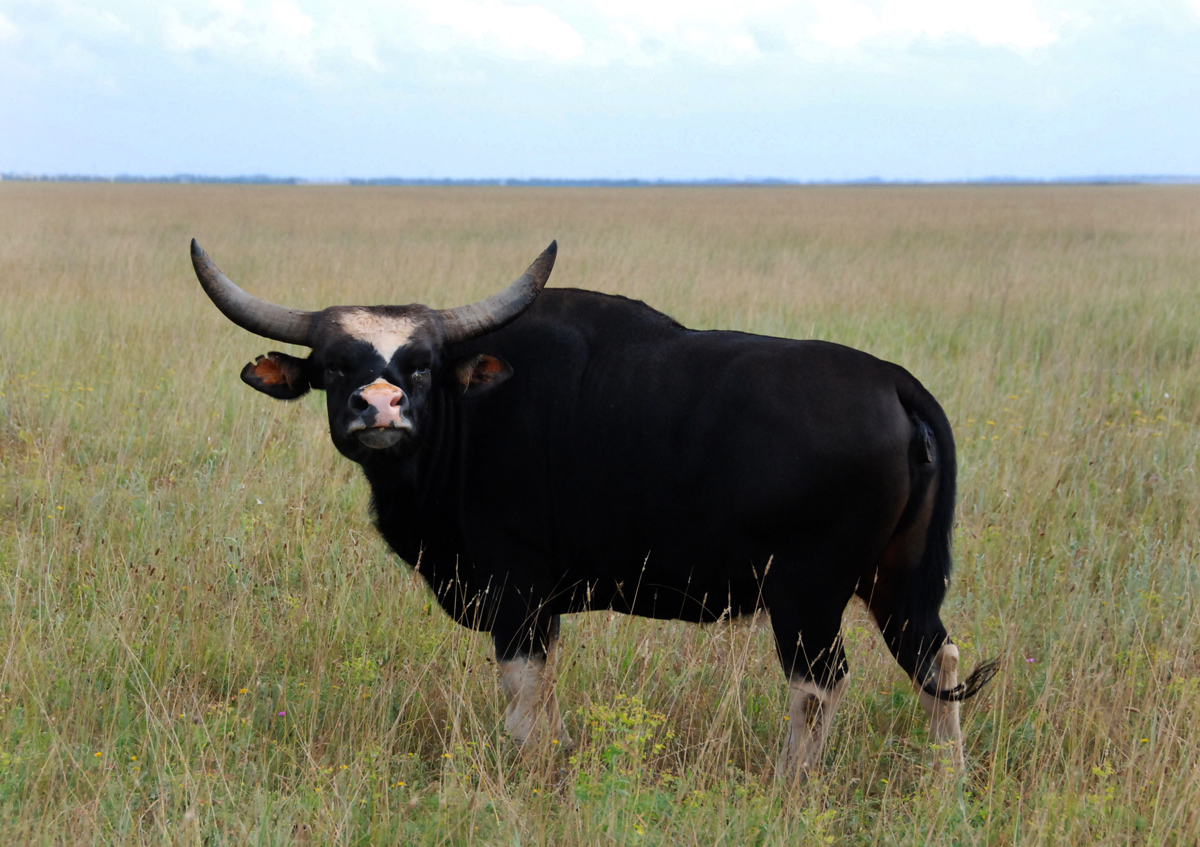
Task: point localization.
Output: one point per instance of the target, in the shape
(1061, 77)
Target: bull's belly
(700, 592)
(700, 604)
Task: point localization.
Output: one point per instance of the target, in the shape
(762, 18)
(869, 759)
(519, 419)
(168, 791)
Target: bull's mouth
(380, 437)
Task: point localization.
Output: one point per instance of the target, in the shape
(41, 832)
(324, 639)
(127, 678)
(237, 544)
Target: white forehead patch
(385, 334)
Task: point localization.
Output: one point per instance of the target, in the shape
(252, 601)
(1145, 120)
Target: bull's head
(378, 365)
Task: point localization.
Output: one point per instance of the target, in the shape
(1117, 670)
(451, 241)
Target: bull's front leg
(525, 658)
(810, 717)
(807, 629)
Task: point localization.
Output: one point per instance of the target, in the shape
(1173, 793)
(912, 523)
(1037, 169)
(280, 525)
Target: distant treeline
(262, 179)
(256, 179)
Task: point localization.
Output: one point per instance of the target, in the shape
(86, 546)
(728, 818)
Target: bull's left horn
(466, 322)
(278, 323)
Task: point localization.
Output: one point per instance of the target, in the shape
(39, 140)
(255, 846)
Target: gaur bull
(541, 453)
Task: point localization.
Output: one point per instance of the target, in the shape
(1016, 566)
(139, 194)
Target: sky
(584, 89)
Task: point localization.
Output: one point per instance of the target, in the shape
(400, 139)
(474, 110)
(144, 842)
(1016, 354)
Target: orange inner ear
(486, 368)
(481, 370)
(268, 371)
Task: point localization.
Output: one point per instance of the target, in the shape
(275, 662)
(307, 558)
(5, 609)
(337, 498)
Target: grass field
(203, 641)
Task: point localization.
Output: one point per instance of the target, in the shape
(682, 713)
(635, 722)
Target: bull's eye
(334, 371)
(420, 374)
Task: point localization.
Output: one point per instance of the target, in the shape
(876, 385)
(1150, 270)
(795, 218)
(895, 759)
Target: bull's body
(629, 463)
(635, 465)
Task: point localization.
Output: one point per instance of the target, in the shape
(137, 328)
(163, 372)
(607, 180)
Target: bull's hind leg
(920, 644)
(526, 663)
(944, 726)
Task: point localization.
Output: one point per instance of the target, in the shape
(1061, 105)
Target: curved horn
(247, 311)
(466, 322)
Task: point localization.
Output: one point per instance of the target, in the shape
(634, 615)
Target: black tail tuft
(979, 677)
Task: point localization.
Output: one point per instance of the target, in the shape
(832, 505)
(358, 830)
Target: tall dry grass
(203, 641)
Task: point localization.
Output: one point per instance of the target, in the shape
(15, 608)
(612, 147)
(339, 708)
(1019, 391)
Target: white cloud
(516, 31)
(8, 30)
(844, 24)
(279, 35)
(1006, 23)
(295, 33)
(291, 18)
(94, 19)
(321, 39)
(1013, 24)
(639, 31)
(309, 37)
(220, 28)
(719, 32)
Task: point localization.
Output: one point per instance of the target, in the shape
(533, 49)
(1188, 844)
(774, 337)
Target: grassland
(202, 641)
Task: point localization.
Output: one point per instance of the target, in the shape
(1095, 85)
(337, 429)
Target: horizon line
(550, 182)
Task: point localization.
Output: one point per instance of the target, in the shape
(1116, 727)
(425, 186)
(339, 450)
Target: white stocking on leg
(810, 716)
(944, 726)
(532, 714)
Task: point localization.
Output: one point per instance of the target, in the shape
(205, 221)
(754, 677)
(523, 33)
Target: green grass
(202, 641)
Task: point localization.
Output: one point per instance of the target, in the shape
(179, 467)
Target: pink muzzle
(386, 401)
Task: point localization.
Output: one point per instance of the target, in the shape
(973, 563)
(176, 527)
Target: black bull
(595, 454)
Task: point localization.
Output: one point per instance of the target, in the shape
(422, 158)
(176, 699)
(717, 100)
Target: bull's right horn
(278, 323)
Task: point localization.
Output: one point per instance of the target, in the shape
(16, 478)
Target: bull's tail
(979, 677)
(934, 470)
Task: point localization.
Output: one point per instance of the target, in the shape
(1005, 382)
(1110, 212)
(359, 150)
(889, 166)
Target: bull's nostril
(396, 400)
(358, 403)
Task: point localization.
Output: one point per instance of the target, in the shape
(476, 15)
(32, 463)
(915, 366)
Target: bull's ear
(481, 372)
(278, 375)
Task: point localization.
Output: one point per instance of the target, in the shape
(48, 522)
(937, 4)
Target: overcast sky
(682, 89)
